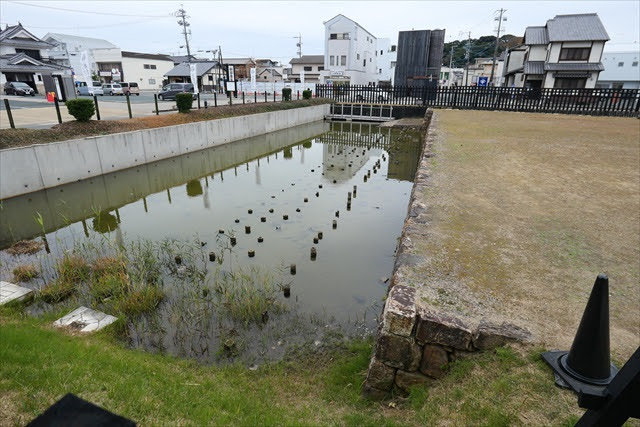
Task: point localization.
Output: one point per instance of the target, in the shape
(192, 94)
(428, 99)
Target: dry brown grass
(526, 209)
(25, 273)
(25, 247)
(70, 130)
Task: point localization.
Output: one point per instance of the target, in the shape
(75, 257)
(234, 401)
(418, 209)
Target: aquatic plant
(25, 273)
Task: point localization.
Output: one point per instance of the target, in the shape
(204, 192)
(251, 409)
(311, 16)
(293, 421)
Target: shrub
(81, 109)
(25, 273)
(306, 94)
(184, 101)
(286, 94)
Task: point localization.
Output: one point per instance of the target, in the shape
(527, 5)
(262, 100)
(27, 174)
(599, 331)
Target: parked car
(130, 88)
(112, 89)
(171, 90)
(373, 94)
(18, 88)
(95, 88)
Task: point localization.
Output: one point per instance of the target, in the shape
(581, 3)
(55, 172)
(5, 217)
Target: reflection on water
(287, 186)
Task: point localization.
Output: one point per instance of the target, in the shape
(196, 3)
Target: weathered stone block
(398, 352)
(438, 328)
(434, 360)
(406, 380)
(399, 315)
(380, 376)
(373, 393)
(490, 336)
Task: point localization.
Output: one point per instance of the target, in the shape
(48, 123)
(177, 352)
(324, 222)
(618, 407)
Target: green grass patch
(25, 273)
(73, 268)
(57, 291)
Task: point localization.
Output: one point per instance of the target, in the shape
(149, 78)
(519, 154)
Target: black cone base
(557, 361)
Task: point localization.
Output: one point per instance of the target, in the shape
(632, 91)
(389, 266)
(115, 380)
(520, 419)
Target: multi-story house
(565, 53)
(387, 56)
(350, 53)
(146, 69)
(311, 66)
(24, 58)
(621, 70)
(90, 59)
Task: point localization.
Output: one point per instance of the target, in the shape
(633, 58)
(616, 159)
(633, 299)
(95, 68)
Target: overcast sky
(267, 29)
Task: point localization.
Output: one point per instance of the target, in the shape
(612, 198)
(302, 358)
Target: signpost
(483, 81)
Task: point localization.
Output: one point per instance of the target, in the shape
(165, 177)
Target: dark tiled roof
(308, 59)
(183, 69)
(534, 67)
(574, 67)
(580, 27)
(536, 35)
(23, 62)
(7, 40)
(158, 57)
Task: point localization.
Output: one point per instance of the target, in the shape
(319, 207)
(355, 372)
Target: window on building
(620, 64)
(35, 54)
(320, 68)
(358, 56)
(153, 67)
(380, 71)
(345, 36)
(569, 83)
(575, 53)
(331, 61)
(393, 48)
(380, 53)
(634, 64)
(370, 59)
(343, 60)
(152, 81)
(265, 77)
(308, 68)
(393, 64)
(364, 62)
(39, 77)
(333, 36)
(367, 38)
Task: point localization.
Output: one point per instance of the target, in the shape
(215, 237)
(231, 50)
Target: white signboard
(194, 77)
(232, 73)
(253, 79)
(337, 73)
(231, 86)
(302, 77)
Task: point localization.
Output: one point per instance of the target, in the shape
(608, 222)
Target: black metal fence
(605, 102)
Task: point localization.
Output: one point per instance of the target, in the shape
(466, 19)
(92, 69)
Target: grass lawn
(526, 209)
(40, 364)
(71, 130)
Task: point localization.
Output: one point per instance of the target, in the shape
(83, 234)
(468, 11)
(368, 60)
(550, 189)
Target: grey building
(419, 57)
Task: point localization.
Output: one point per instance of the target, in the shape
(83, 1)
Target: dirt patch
(523, 211)
(70, 130)
(25, 247)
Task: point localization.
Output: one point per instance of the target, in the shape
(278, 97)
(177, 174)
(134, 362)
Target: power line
(88, 11)
(139, 21)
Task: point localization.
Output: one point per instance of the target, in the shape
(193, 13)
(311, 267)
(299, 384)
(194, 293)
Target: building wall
(418, 51)
(385, 59)
(134, 71)
(537, 52)
(625, 73)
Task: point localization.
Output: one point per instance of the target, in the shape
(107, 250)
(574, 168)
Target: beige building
(146, 69)
(310, 65)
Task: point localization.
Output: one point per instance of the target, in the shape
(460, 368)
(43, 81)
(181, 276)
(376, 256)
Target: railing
(606, 102)
(360, 111)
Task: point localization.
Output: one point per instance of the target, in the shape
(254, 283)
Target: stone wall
(416, 338)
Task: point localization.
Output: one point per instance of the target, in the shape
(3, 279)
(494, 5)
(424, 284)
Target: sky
(269, 29)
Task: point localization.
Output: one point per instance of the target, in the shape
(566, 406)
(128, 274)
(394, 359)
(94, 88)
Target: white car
(112, 89)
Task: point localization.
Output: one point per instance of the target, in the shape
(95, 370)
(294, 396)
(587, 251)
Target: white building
(350, 53)
(88, 57)
(307, 68)
(621, 70)
(565, 53)
(146, 69)
(451, 76)
(387, 55)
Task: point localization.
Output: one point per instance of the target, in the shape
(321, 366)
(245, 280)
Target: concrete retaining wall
(27, 169)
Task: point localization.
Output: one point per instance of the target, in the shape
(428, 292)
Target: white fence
(269, 87)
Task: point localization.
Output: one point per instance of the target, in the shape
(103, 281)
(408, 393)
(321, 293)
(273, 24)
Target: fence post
(215, 99)
(129, 105)
(6, 105)
(243, 97)
(57, 104)
(198, 100)
(298, 98)
(230, 95)
(95, 101)
(255, 97)
(265, 96)
(274, 95)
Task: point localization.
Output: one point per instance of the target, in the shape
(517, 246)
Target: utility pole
(182, 14)
(495, 50)
(467, 56)
(450, 64)
(299, 44)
